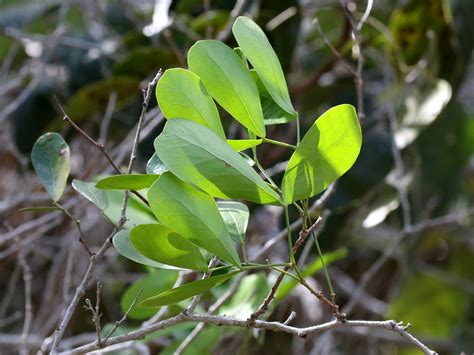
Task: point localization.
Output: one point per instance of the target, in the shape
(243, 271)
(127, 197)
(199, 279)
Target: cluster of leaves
(194, 164)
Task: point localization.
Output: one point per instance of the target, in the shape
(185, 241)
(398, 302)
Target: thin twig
(273, 326)
(96, 315)
(27, 276)
(236, 11)
(99, 146)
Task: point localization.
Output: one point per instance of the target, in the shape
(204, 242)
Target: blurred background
(399, 231)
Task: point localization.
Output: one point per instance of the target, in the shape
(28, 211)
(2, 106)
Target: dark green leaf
(127, 182)
(186, 291)
(50, 158)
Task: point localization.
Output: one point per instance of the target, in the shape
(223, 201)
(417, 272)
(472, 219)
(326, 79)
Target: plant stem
(290, 244)
(326, 274)
(282, 144)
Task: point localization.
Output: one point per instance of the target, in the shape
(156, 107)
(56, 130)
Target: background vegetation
(399, 225)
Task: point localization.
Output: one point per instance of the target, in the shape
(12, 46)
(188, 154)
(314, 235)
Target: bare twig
(236, 11)
(273, 326)
(27, 276)
(99, 146)
(96, 315)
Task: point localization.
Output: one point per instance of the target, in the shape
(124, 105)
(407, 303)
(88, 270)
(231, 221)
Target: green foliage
(91, 193)
(124, 246)
(256, 47)
(127, 182)
(193, 214)
(325, 153)
(149, 285)
(181, 94)
(186, 291)
(228, 81)
(196, 155)
(236, 218)
(50, 158)
(164, 245)
(155, 165)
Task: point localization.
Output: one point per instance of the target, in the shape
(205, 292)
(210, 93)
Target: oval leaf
(228, 81)
(162, 244)
(196, 155)
(127, 182)
(236, 218)
(181, 94)
(193, 214)
(155, 165)
(91, 193)
(256, 47)
(147, 286)
(242, 144)
(325, 153)
(51, 161)
(186, 291)
(125, 248)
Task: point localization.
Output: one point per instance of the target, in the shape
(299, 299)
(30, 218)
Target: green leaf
(193, 214)
(156, 281)
(228, 81)
(127, 182)
(186, 291)
(250, 294)
(162, 244)
(91, 193)
(155, 166)
(236, 218)
(325, 153)
(39, 209)
(181, 94)
(50, 158)
(242, 144)
(272, 113)
(125, 248)
(196, 155)
(257, 49)
(137, 212)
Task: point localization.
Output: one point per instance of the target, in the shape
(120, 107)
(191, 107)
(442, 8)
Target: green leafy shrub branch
(196, 179)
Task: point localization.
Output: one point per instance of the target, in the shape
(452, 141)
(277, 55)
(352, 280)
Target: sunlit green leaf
(137, 212)
(155, 165)
(259, 52)
(90, 192)
(127, 182)
(50, 158)
(122, 243)
(236, 218)
(149, 285)
(325, 153)
(272, 112)
(181, 94)
(193, 214)
(242, 144)
(186, 291)
(228, 81)
(162, 244)
(196, 155)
